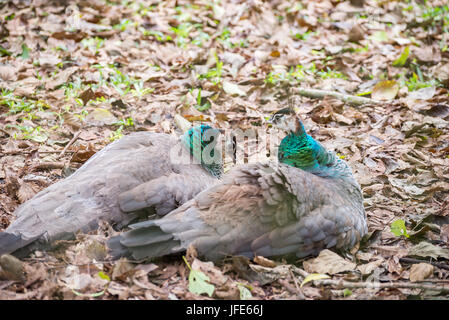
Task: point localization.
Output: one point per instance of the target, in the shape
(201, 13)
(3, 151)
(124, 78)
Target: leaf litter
(103, 69)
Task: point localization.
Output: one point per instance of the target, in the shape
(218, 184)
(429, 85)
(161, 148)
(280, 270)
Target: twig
(373, 285)
(48, 165)
(436, 264)
(20, 151)
(382, 285)
(320, 94)
(75, 136)
(6, 284)
(5, 132)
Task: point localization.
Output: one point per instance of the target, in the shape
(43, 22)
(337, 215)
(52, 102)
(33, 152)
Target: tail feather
(147, 241)
(10, 242)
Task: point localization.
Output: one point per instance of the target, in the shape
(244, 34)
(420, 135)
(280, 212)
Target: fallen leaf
(199, 283)
(420, 271)
(26, 191)
(400, 62)
(99, 117)
(83, 153)
(422, 94)
(368, 268)
(122, 269)
(442, 73)
(264, 262)
(328, 262)
(8, 73)
(314, 276)
(233, 89)
(356, 34)
(385, 90)
(426, 249)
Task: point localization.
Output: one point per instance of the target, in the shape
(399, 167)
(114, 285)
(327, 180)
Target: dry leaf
(385, 90)
(99, 117)
(26, 191)
(264, 262)
(420, 271)
(328, 262)
(368, 268)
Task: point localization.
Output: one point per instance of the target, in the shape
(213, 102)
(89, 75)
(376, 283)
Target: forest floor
(77, 75)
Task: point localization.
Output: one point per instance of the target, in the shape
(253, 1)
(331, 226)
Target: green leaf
(314, 276)
(245, 292)
(104, 276)
(398, 228)
(25, 51)
(198, 283)
(403, 58)
(347, 292)
(4, 52)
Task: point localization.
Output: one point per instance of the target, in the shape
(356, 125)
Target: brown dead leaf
(26, 191)
(83, 153)
(427, 54)
(61, 78)
(264, 262)
(357, 33)
(420, 271)
(77, 36)
(89, 94)
(328, 262)
(8, 73)
(442, 74)
(444, 233)
(99, 117)
(368, 268)
(122, 269)
(385, 90)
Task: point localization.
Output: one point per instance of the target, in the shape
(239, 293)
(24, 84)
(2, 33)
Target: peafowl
(136, 171)
(307, 202)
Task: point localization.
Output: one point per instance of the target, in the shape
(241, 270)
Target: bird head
(286, 119)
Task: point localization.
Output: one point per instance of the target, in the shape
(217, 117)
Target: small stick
(320, 94)
(75, 136)
(382, 285)
(373, 285)
(5, 132)
(436, 264)
(48, 165)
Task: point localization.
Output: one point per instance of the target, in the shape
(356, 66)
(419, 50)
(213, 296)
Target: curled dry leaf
(264, 262)
(420, 271)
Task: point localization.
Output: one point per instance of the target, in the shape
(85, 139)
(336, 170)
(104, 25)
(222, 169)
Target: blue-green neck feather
(200, 139)
(300, 150)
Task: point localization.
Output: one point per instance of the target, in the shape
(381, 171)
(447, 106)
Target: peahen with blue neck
(307, 202)
(144, 172)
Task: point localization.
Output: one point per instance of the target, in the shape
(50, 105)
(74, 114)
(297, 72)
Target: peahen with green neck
(136, 172)
(307, 202)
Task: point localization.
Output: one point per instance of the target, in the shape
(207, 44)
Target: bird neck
(200, 141)
(300, 150)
